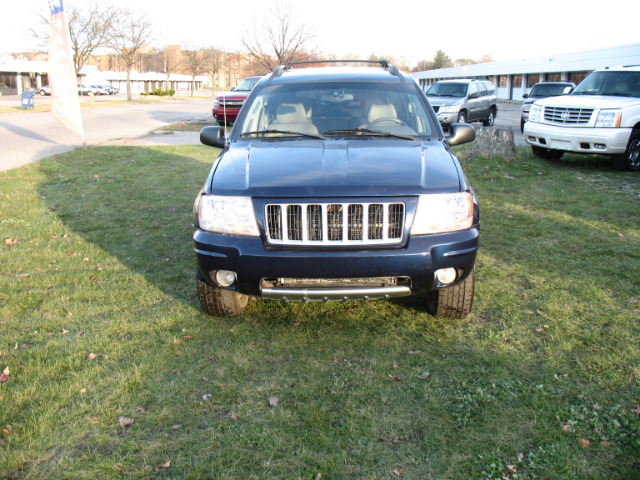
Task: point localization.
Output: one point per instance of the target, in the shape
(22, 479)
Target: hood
(233, 94)
(301, 168)
(440, 101)
(589, 101)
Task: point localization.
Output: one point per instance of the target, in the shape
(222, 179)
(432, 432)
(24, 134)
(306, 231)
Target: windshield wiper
(281, 132)
(366, 131)
(618, 94)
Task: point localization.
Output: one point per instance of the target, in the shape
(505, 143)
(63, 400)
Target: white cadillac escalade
(601, 116)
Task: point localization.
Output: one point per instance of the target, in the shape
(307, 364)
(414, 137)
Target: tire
(454, 301)
(522, 125)
(629, 160)
(462, 117)
(42, 93)
(220, 302)
(488, 122)
(547, 154)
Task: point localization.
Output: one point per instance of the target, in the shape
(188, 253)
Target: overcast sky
(412, 30)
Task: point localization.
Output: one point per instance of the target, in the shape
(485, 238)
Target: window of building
(577, 77)
(553, 77)
(502, 81)
(517, 81)
(532, 80)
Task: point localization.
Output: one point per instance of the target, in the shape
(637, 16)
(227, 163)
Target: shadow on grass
(136, 204)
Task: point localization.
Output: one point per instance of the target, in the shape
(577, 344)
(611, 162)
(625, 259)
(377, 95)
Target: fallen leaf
(605, 443)
(395, 378)
(583, 443)
(566, 428)
(424, 375)
(512, 468)
(632, 301)
(395, 365)
(636, 410)
(175, 427)
(413, 352)
(396, 472)
(233, 416)
(273, 401)
(4, 375)
(125, 421)
(69, 315)
(91, 356)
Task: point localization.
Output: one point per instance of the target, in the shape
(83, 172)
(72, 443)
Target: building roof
(566, 62)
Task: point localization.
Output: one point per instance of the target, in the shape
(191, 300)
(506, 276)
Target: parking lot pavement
(509, 116)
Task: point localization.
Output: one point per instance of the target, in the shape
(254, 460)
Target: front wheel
(629, 160)
(220, 302)
(462, 117)
(488, 122)
(547, 154)
(454, 301)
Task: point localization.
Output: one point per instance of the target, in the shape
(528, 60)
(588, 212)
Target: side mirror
(567, 90)
(474, 95)
(461, 133)
(525, 95)
(213, 137)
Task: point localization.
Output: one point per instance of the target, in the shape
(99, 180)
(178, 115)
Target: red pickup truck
(227, 105)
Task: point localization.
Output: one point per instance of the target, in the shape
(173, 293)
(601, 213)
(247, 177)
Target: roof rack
(277, 72)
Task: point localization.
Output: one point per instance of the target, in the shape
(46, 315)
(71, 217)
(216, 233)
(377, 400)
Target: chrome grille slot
(567, 115)
(335, 223)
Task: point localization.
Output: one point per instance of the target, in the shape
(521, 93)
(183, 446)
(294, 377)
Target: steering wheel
(388, 120)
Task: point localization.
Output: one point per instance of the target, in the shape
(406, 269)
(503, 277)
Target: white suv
(601, 116)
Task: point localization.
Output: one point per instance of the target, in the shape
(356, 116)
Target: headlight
(449, 109)
(443, 213)
(609, 118)
(535, 113)
(227, 215)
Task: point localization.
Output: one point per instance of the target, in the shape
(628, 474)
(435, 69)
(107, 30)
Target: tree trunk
(494, 141)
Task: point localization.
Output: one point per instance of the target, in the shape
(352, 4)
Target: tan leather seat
(293, 117)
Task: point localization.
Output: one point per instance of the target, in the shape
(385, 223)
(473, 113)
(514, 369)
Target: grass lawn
(114, 371)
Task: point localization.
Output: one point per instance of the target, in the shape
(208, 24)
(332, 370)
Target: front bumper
(231, 114)
(607, 141)
(415, 263)
(447, 119)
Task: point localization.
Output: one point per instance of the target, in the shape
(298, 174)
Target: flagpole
(65, 103)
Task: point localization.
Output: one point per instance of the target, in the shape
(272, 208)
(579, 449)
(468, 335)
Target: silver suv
(601, 116)
(463, 101)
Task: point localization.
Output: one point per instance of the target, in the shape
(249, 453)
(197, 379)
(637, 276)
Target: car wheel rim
(633, 157)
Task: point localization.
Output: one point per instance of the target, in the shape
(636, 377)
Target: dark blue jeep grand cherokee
(336, 183)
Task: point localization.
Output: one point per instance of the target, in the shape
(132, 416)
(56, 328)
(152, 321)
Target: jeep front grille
(567, 115)
(335, 223)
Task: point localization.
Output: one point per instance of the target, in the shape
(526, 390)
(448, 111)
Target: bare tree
(128, 36)
(282, 38)
(194, 60)
(212, 64)
(89, 26)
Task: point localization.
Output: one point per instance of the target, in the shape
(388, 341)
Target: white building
(516, 77)
(17, 76)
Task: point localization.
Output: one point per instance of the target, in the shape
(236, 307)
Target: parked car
(463, 101)
(542, 90)
(336, 183)
(226, 106)
(84, 90)
(601, 116)
(99, 90)
(45, 90)
(111, 90)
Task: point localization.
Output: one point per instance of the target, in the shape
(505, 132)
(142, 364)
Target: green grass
(99, 320)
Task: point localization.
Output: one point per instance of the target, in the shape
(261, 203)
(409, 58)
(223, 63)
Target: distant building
(29, 71)
(515, 78)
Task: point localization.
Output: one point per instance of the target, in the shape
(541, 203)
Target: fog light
(446, 275)
(225, 278)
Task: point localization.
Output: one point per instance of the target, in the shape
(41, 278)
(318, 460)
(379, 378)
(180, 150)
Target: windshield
(622, 84)
(448, 89)
(548, 90)
(247, 84)
(337, 109)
